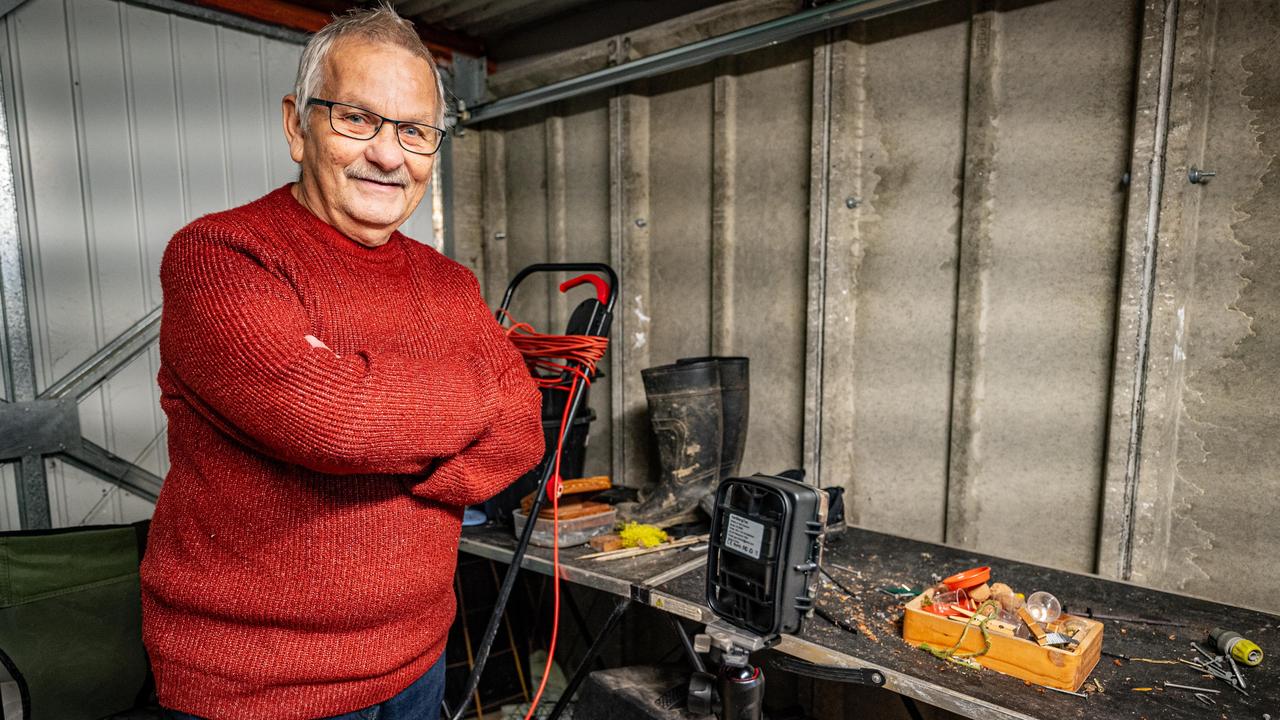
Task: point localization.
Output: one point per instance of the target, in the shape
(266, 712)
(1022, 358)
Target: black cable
(834, 673)
(836, 582)
(912, 709)
(834, 620)
(828, 616)
(508, 580)
(597, 326)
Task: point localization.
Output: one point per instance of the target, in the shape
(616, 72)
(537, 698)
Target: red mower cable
(570, 360)
(576, 356)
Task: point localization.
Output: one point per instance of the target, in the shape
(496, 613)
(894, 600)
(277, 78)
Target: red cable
(575, 355)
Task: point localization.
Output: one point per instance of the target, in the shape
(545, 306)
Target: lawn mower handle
(599, 268)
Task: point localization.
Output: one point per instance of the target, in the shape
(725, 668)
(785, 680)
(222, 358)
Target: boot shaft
(685, 410)
(735, 402)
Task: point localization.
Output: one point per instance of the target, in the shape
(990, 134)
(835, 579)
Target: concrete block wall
(967, 297)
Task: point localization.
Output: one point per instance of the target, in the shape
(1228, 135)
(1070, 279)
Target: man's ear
(292, 118)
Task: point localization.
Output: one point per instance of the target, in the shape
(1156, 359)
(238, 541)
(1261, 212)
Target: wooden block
(594, 483)
(573, 511)
(605, 543)
(1064, 668)
(577, 486)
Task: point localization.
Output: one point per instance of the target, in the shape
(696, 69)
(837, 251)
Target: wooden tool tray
(1049, 666)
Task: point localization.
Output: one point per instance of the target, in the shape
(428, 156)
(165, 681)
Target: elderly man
(336, 393)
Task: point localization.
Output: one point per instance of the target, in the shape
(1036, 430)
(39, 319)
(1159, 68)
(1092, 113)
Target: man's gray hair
(380, 23)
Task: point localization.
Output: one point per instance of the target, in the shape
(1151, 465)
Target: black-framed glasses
(359, 124)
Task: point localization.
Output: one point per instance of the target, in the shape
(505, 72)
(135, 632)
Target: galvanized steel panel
(206, 173)
(47, 163)
(279, 69)
(131, 122)
(244, 101)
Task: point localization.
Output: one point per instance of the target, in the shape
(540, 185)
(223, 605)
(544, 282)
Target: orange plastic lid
(971, 578)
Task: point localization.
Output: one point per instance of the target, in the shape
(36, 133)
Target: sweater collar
(329, 235)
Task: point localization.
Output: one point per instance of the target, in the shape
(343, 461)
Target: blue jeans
(419, 701)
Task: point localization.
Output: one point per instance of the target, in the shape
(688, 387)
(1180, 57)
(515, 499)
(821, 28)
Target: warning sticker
(743, 535)
(677, 607)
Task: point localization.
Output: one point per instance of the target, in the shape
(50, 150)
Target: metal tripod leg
(683, 634)
(579, 619)
(581, 673)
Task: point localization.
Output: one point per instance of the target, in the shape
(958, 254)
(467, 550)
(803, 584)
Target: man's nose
(384, 148)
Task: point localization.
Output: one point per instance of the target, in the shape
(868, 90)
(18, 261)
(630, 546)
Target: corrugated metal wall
(125, 124)
(918, 229)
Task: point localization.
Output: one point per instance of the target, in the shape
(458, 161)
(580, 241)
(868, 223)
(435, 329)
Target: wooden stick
(633, 552)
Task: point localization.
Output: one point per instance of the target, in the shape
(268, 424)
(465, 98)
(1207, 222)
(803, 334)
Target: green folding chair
(71, 621)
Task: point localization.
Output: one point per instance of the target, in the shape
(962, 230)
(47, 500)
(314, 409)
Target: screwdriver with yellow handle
(1234, 645)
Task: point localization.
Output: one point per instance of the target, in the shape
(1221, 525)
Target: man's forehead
(382, 77)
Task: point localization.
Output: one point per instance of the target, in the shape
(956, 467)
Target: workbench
(865, 561)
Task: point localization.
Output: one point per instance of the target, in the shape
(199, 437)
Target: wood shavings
(638, 535)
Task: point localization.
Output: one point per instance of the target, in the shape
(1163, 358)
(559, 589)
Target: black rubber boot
(685, 411)
(735, 401)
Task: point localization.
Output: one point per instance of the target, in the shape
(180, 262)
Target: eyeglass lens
(362, 125)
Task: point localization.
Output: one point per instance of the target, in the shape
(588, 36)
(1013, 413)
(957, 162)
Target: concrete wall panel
(967, 274)
(897, 148)
(1043, 212)
(586, 239)
(555, 208)
(1206, 484)
(1229, 461)
(679, 220)
(1025, 109)
(526, 185)
(766, 315)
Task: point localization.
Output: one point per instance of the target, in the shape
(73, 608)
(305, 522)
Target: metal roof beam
(734, 43)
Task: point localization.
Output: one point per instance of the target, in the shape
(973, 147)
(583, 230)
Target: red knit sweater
(301, 556)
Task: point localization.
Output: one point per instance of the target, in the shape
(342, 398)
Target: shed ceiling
(505, 30)
(486, 19)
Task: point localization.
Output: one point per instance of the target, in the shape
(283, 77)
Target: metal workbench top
(864, 561)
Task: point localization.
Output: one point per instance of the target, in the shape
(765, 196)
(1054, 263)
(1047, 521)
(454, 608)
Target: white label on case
(745, 536)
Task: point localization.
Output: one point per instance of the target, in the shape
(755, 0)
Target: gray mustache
(399, 177)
